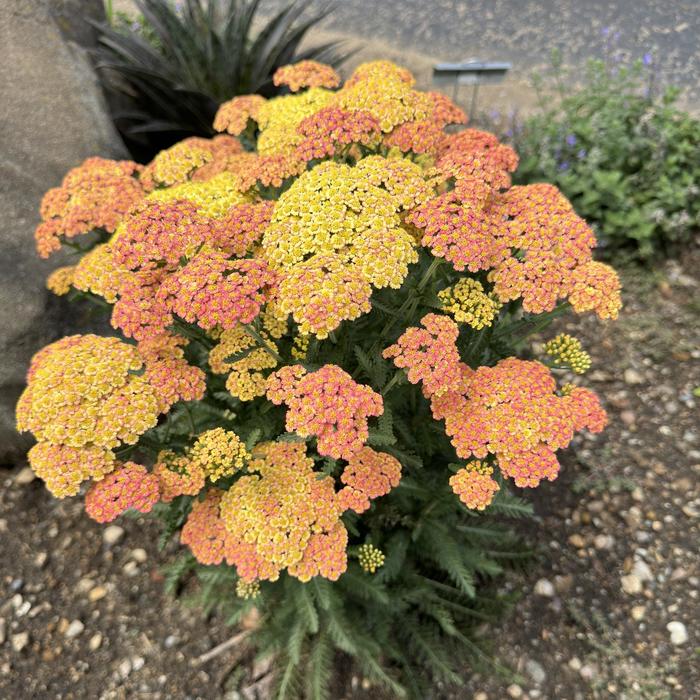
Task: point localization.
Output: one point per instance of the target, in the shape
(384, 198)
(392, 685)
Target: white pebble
(112, 534)
(679, 634)
(544, 588)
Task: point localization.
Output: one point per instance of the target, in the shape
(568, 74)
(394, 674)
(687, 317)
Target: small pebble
(638, 612)
(25, 476)
(112, 534)
(139, 555)
(97, 593)
(535, 671)
(631, 584)
(631, 376)
(515, 691)
(679, 634)
(577, 541)
(19, 641)
(544, 588)
(95, 642)
(74, 629)
(131, 568)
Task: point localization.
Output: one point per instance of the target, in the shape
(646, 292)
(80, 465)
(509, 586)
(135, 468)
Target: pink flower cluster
(328, 404)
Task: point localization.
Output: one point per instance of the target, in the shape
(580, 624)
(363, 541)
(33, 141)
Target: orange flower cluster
(178, 475)
(129, 487)
(368, 475)
(328, 404)
(233, 115)
(331, 129)
(282, 515)
(429, 354)
(512, 412)
(219, 453)
(474, 485)
(95, 195)
(305, 74)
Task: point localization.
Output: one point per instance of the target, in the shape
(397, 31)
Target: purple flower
(582, 154)
(647, 59)
(605, 31)
(571, 139)
(564, 165)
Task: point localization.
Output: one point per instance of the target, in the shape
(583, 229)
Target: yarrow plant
(314, 379)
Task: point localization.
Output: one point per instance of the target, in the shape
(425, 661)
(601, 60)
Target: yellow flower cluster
(213, 198)
(247, 590)
(219, 453)
(468, 303)
(283, 511)
(97, 272)
(83, 390)
(567, 350)
(83, 399)
(246, 380)
(370, 558)
(60, 280)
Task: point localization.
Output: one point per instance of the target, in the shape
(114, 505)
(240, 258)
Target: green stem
(392, 383)
(262, 343)
(429, 273)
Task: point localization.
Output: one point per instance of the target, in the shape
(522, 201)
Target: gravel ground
(610, 610)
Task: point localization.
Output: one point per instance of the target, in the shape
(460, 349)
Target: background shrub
(622, 151)
(167, 70)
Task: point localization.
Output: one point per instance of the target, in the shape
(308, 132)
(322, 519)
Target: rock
(40, 560)
(563, 584)
(481, 695)
(691, 510)
(544, 588)
(603, 541)
(575, 663)
(577, 541)
(19, 641)
(131, 568)
(124, 669)
(515, 691)
(97, 593)
(631, 584)
(535, 671)
(631, 376)
(95, 642)
(641, 570)
(139, 555)
(137, 663)
(84, 585)
(53, 116)
(679, 634)
(638, 612)
(170, 641)
(3, 630)
(588, 672)
(112, 535)
(74, 629)
(628, 418)
(25, 476)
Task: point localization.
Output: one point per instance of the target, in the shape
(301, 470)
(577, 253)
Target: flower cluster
(512, 412)
(282, 516)
(95, 195)
(370, 558)
(474, 485)
(468, 303)
(430, 354)
(567, 350)
(270, 293)
(327, 404)
(306, 74)
(368, 475)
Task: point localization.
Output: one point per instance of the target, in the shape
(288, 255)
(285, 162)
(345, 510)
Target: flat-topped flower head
(327, 404)
(177, 475)
(305, 74)
(219, 452)
(368, 475)
(84, 390)
(95, 195)
(60, 280)
(233, 116)
(429, 354)
(129, 487)
(475, 485)
(286, 514)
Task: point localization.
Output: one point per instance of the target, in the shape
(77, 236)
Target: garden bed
(632, 497)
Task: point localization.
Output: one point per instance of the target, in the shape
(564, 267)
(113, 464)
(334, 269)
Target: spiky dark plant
(167, 74)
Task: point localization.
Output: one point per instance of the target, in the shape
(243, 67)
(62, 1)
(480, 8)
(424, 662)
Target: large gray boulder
(52, 117)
